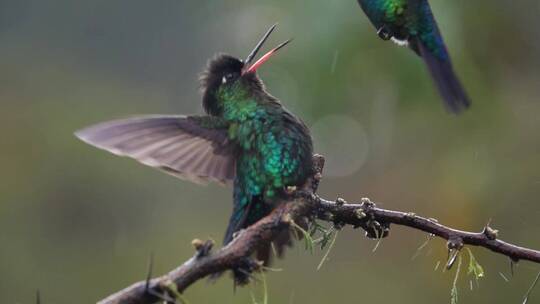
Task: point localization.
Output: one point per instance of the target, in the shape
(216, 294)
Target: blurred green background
(79, 223)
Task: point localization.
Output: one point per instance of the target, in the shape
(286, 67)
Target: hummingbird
(247, 138)
(411, 23)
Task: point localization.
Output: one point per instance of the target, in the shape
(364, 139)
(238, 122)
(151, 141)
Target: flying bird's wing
(195, 148)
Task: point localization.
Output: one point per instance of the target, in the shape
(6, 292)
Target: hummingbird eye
(227, 78)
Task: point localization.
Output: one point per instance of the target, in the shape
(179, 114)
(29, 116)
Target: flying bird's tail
(445, 78)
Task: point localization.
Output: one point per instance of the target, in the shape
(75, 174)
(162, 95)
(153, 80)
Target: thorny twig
(305, 203)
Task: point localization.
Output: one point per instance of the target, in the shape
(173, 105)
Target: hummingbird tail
(445, 78)
(249, 215)
(268, 251)
(276, 248)
(243, 215)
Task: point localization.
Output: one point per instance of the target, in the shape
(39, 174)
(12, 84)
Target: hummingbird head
(226, 75)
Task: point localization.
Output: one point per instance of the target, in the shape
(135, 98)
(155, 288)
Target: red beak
(265, 58)
(250, 68)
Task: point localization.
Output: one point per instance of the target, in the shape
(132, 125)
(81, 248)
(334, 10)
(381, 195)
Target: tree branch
(356, 214)
(304, 203)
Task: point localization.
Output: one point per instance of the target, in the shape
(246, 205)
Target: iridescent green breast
(275, 152)
(274, 146)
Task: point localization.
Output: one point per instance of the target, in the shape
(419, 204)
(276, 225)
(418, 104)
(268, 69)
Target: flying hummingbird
(247, 138)
(411, 23)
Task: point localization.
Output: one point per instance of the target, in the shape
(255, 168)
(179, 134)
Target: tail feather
(248, 215)
(276, 248)
(445, 78)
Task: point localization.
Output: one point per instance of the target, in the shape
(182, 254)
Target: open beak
(251, 68)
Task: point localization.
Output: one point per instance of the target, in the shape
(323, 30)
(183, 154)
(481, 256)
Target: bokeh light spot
(343, 142)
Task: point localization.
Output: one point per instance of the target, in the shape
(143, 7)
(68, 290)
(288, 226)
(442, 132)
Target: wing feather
(177, 145)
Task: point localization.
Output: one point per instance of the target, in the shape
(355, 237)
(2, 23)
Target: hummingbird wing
(195, 148)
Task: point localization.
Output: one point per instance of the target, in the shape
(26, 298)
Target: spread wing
(195, 148)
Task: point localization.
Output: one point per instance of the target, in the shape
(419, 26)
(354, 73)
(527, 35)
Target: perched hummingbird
(247, 137)
(411, 23)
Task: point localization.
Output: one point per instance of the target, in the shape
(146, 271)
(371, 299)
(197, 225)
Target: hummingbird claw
(384, 33)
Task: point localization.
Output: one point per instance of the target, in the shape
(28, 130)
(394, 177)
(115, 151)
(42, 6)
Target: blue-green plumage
(275, 152)
(411, 22)
(247, 138)
(274, 147)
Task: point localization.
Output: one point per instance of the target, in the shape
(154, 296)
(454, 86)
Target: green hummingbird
(247, 138)
(411, 23)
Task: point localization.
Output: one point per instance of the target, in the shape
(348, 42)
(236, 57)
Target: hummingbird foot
(384, 33)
